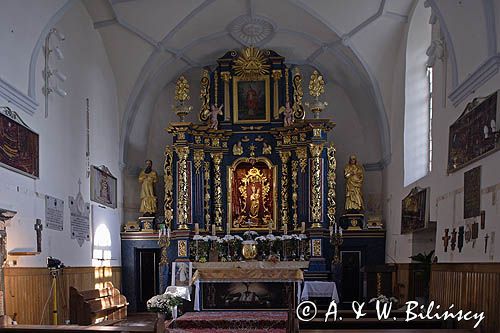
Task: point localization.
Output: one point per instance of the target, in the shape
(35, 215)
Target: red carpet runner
(229, 321)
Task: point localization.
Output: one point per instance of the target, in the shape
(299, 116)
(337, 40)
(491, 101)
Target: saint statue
(353, 174)
(148, 177)
(254, 202)
(213, 122)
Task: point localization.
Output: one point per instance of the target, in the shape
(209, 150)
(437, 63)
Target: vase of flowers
(163, 305)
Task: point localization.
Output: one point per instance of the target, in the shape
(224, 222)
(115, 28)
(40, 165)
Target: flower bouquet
(163, 303)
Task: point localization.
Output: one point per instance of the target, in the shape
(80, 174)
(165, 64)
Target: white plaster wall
(21, 25)
(448, 211)
(63, 143)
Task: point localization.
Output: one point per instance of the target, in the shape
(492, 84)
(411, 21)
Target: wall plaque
(54, 213)
(79, 219)
(472, 193)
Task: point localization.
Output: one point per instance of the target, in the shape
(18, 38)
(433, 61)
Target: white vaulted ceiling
(354, 43)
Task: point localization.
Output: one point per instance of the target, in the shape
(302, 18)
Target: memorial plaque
(79, 219)
(472, 193)
(54, 213)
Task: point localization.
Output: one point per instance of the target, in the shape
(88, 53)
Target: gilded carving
(182, 248)
(295, 186)
(237, 149)
(316, 185)
(266, 149)
(217, 159)
(182, 196)
(316, 84)
(198, 157)
(169, 186)
(332, 183)
(205, 95)
(285, 156)
(302, 156)
(298, 94)
(181, 96)
(251, 64)
(316, 247)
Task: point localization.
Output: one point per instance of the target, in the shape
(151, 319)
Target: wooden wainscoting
(27, 289)
(474, 287)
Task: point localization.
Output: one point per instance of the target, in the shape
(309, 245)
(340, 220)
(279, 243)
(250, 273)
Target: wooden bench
(97, 306)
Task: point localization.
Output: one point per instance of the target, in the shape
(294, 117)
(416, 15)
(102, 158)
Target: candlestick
(331, 231)
(197, 228)
(228, 228)
(285, 229)
(270, 227)
(303, 228)
(214, 233)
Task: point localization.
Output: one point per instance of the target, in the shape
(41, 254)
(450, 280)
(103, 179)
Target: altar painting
(252, 203)
(251, 100)
(245, 295)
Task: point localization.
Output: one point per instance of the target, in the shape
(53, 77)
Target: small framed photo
(251, 100)
(103, 186)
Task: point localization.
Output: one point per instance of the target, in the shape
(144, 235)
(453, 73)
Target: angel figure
(213, 122)
(287, 114)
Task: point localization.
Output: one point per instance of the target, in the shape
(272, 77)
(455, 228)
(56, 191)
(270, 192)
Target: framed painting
(251, 100)
(415, 210)
(19, 146)
(103, 186)
(475, 133)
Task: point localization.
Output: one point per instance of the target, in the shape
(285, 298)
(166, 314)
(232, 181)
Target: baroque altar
(254, 162)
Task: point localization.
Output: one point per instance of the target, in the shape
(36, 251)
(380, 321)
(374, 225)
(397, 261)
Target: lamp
(47, 73)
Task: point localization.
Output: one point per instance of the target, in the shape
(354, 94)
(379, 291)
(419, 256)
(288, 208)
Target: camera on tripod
(53, 263)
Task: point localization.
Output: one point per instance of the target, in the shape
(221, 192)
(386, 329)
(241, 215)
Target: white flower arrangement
(302, 236)
(286, 237)
(250, 234)
(163, 303)
(228, 238)
(260, 239)
(197, 237)
(212, 238)
(271, 237)
(238, 238)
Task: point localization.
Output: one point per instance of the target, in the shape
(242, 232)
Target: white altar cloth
(319, 289)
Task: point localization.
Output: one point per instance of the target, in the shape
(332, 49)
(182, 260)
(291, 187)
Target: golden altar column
(285, 156)
(169, 186)
(316, 186)
(217, 158)
(182, 196)
(332, 184)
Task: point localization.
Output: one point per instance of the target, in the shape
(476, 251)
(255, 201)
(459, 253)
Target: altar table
(244, 272)
(320, 289)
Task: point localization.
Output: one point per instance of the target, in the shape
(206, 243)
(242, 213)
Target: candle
(331, 231)
(285, 229)
(168, 233)
(270, 227)
(303, 228)
(213, 230)
(197, 228)
(228, 228)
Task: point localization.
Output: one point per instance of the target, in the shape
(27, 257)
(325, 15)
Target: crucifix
(461, 231)
(38, 229)
(453, 239)
(445, 239)
(486, 242)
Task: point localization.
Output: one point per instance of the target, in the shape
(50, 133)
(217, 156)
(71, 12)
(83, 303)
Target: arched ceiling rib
(327, 35)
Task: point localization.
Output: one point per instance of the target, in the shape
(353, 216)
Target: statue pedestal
(354, 221)
(147, 223)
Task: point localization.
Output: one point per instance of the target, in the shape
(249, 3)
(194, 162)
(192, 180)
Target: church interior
(249, 166)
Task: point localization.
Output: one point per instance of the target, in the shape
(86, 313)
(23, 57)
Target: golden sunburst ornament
(251, 64)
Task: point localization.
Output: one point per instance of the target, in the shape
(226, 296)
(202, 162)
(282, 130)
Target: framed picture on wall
(251, 100)
(103, 186)
(19, 145)
(415, 210)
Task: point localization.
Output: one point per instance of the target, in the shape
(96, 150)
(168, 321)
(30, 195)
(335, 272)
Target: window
(417, 146)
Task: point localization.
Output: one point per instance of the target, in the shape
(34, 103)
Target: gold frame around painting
(230, 171)
(267, 84)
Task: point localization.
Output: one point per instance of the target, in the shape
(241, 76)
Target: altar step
(230, 321)
(316, 276)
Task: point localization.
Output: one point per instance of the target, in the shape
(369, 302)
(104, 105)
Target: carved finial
(316, 84)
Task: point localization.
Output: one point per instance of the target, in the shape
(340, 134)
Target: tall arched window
(418, 98)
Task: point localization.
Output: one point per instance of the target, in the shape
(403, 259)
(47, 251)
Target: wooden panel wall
(28, 289)
(474, 287)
